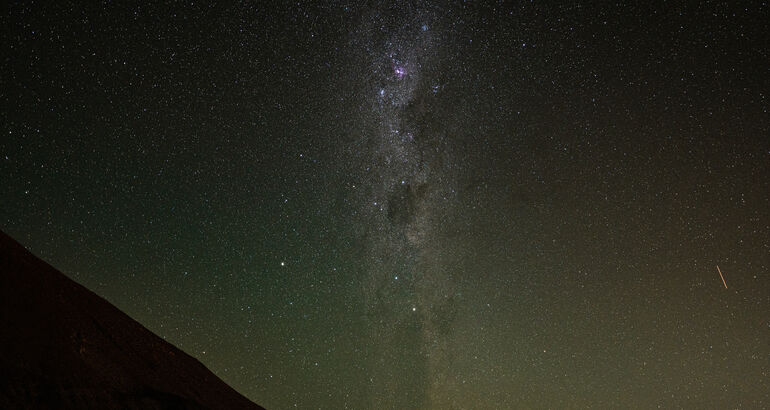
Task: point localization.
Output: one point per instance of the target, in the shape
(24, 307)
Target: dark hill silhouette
(62, 346)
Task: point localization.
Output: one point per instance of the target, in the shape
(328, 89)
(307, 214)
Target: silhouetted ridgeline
(62, 346)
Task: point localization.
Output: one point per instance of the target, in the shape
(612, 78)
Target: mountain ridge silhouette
(63, 346)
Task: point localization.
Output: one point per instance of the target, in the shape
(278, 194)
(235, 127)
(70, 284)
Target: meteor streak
(720, 275)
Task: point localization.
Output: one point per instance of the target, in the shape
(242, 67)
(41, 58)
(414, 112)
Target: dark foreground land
(62, 346)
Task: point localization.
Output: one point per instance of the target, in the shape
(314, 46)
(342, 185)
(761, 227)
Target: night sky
(409, 205)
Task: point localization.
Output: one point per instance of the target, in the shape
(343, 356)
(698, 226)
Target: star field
(405, 204)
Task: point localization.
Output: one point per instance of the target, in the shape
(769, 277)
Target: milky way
(407, 191)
